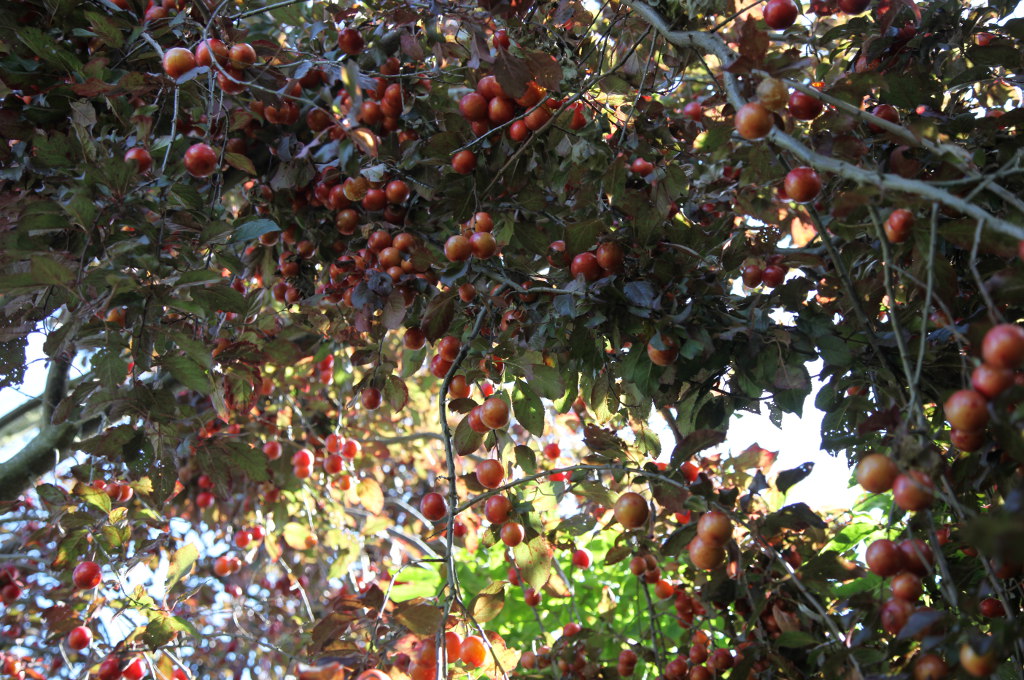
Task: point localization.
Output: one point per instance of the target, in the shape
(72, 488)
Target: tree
(380, 307)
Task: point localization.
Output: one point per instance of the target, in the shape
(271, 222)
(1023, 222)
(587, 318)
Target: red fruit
(473, 106)
(906, 586)
(204, 499)
(978, 664)
(178, 61)
(272, 450)
(803, 106)
(512, 534)
(500, 39)
(694, 111)
(490, 473)
(200, 160)
(10, 593)
(664, 590)
(242, 56)
(500, 110)
(753, 121)
(991, 608)
(690, 471)
(631, 510)
(497, 509)
(473, 653)
(927, 666)
(537, 118)
(374, 200)
(705, 555)
(895, 613)
(876, 472)
(475, 423)
(884, 558)
(494, 413)
(802, 184)
(86, 575)
(134, 670)
(433, 506)
(483, 245)
(141, 157)
(333, 464)
(397, 191)
(667, 355)
(464, 162)
(552, 451)
(886, 113)
(571, 628)
(855, 7)
(642, 167)
(966, 410)
(80, 637)
(898, 225)
(585, 265)
(967, 440)
(350, 449)
(414, 338)
(371, 398)
(458, 248)
(302, 458)
(209, 50)
(714, 527)
(350, 41)
(990, 380)
(1003, 346)
(110, 669)
(780, 14)
(610, 256)
(752, 276)
(582, 558)
(917, 556)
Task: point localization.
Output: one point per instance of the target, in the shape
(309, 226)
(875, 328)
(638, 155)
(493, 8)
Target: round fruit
(475, 423)
(483, 244)
(928, 666)
(856, 7)
(490, 473)
(992, 608)
(773, 275)
(705, 555)
(802, 184)
(396, 191)
(876, 472)
(458, 248)
(642, 167)
(753, 121)
(531, 597)
(631, 510)
(585, 265)
(895, 613)
(497, 509)
(664, 590)
(414, 338)
(898, 225)
(967, 440)
(473, 106)
(178, 61)
(209, 50)
(610, 256)
(886, 113)
(917, 556)
(780, 14)
(990, 380)
(977, 664)
(1003, 346)
(464, 162)
(913, 490)
(200, 160)
(884, 558)
(582, 558)
(714, 527)
(242, 56)
(86, 575)
(371, 398)
(511, 534)
(906, 586)
(141, 157)
(494, 413)
(350, 41)
(665, 356)
(552, 451)
(473, 652)
(803, 106)
(500, 110)
(966, 410)
(433, 506)
(80, 637)
(752, 276)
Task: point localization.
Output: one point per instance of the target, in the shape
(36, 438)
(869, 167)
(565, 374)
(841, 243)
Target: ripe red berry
(86, 575)
(780, 14)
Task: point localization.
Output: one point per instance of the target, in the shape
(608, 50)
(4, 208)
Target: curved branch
(706, 42)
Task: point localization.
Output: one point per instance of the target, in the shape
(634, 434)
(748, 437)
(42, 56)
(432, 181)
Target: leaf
(181, 563)
(94, 497)
(526, 459)
(795, 638)
(347, 556)
(370, 495)
(693, 443)
(489, 602)
(298, 536)
(438, 315)
(106, 28)
(422, 619)
(578, 525)
(787, 478)
(511, 73)
(417, 582)
(396, 393)
(533, 558)
(466, 440)
(110, 368)
(186, 371)
(240, 161)
(220, 298)
(249, 230)
(528, 409)
(163, 628)
(50, 272)
(596, 493)
(544, 68)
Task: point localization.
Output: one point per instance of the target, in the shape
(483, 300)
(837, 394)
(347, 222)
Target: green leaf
(109, 367)
(347, 556)
(417, 582)
(181, 563)
(526, 459)
(248, 230)
(220, 298)
(466, 440)
(578, 525)
(188, 373)
(422, 619)
(795, 638)
(533, 558)
(528, 408)
(50, 272)
(240, 161)
(106, 28)
(788, 478)
(94, 497)
(163, 628)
